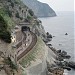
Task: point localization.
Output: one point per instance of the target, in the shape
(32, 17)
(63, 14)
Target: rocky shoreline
(62, 60)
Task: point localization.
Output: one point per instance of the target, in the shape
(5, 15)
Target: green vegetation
(20, 8)
(7, 61)
(8, 11)
(4, 33)
(31, 12)
(17, 1)
(5, 36)
(6, 17)
(26, 20)
(9, 0)
(17, 15)
(31, 56)
(12, 4)
(21, 18)
(11, 64)
(29, 18)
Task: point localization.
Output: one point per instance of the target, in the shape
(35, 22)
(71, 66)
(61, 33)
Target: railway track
(32, 44)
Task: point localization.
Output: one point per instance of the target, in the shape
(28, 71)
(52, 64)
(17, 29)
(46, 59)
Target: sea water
(58, 26)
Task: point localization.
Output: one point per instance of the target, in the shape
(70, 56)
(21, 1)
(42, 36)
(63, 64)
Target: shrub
(21, 18)
(5, 35)
(3, 24)
(16, 2)
(17, 15)
(11, 64)
(31, 12)
(12, 4)
(29, 17)
(9, 12)
(20, 7)
(26, 20)
(9, 0)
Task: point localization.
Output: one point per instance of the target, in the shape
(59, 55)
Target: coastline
(63, 61)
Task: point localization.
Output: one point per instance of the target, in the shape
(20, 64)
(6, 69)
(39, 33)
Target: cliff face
(39, 55)
(14, 12)
(40, 9)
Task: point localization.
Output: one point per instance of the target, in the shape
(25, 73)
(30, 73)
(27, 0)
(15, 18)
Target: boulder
(68, 68)
(66, 33)
(71, 64)
(58, 51)
(63, 53)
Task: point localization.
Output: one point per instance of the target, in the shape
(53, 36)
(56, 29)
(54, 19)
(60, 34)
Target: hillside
(40, 9)
(14, 13)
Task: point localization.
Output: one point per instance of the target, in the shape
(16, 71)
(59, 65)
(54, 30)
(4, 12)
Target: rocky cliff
(35, 63)
(15, 12)
(40, 9)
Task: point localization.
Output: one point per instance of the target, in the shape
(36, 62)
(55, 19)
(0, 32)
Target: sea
(58, 26)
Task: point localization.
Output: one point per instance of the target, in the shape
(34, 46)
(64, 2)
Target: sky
(60, 5)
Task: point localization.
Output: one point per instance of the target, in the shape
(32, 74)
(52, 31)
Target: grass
(32, 55)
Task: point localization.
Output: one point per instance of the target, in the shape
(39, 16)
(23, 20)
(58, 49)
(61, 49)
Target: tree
(3, 24)
(5, 35)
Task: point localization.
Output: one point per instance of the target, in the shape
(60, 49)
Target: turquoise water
(58, 26)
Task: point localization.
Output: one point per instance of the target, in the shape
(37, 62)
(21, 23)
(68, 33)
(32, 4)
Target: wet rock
(59, 58)
(58, 51)
(63, 53)
(53, 36)
(71, 64)
(60, 44)
(49, 39)
(67, 56)
(46, 41)
(66, 33)
(68, 68)
(49, 44)
(53, 49)
(49, 35)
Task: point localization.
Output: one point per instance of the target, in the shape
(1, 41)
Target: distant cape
(40, 9)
